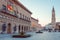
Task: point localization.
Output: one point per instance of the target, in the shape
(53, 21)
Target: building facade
(58, 26)
(14, 17)
(34, 24)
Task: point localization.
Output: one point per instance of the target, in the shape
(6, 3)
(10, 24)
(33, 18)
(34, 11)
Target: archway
(22, 29)
(14, 28)
(59, 28)
(3, 27)
(9, 28)
(19, 29)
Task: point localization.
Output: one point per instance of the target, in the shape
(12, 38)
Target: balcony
(8, 13)
(25, 20)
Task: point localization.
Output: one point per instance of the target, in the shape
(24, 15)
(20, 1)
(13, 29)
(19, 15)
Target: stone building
(58, 26)
(14, 17)
(34, 24)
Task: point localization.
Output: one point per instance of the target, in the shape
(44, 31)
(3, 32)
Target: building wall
(19, 17)
(39, 27)
(34, 24)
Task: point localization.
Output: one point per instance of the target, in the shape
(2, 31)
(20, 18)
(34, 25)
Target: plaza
(43, 36)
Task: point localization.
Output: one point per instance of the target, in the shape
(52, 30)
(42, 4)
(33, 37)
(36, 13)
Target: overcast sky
(42, 9)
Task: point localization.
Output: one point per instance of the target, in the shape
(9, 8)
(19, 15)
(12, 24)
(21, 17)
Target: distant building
(39, 27)
(14, 17)
(53, 25)
(34, 24)
(49, 26)
(58, 25)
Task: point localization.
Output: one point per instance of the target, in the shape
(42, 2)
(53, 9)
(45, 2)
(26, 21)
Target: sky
(42, 9)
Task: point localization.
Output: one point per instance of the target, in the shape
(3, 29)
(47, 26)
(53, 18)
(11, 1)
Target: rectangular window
(23, 16)
(20, 15)
(28, 19)
(1, 16)
(4, 8)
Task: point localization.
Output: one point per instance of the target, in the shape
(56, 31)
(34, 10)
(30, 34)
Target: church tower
(53, 19)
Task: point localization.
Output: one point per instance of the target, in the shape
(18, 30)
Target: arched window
(14, 28)
(4, 8)
(19, 29)
(4, 27)
(22, 28)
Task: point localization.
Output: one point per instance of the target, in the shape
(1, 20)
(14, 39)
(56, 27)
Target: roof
(34, 19)
(21, 5)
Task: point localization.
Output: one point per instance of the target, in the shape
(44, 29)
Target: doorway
(9, 28)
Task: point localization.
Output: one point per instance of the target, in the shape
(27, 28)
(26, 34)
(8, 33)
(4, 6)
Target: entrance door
(9, 28)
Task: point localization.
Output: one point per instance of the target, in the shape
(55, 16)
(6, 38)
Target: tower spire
(53, 10)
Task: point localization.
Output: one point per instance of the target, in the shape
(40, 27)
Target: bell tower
(53, 20)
